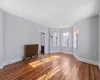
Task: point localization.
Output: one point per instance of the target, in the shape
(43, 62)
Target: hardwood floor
(58, 66)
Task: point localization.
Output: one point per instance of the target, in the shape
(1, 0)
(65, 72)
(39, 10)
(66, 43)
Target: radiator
(30, 50)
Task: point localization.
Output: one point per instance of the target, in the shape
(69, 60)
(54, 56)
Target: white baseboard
(61, 52)
(67, 52)
(89, 61)
(54, 51)
(86, 60)
(12, 61)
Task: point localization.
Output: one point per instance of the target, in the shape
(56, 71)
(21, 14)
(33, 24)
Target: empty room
(49, 39)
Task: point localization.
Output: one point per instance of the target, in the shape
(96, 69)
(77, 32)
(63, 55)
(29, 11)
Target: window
(74, 40)
(75, 37)
(55, 38)
(66, 40)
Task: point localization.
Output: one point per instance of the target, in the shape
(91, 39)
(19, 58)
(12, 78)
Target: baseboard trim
(12, 61)
(66, 52)
(55, 52)
(87, 61)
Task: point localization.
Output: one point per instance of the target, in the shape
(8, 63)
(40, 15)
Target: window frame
(64, 44)
(57, 39)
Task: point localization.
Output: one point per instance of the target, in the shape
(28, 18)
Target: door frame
(39, 40)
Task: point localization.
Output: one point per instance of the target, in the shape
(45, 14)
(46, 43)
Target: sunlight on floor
(49, 74)
(42, 61)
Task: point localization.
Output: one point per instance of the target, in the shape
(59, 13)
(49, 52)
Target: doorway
(42, 43)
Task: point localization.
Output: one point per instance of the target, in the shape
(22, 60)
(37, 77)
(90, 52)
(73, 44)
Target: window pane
(55, 39)
(74, 41)
(66, 39)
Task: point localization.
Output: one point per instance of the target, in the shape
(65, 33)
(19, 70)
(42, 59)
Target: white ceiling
(52, 13)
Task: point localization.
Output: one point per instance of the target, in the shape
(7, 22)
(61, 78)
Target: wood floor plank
(86, 72)
(72, 75)
(75, 71)
(92, 75)
(65, 73)
(29, 71)
(81, 72)
(63, 69)
(96, 72)
(47, 69)
(56, 66)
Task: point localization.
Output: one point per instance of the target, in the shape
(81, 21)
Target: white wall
(1, 38)
(88, 38)
(19, 32)
(67, 49)
(99, 40)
